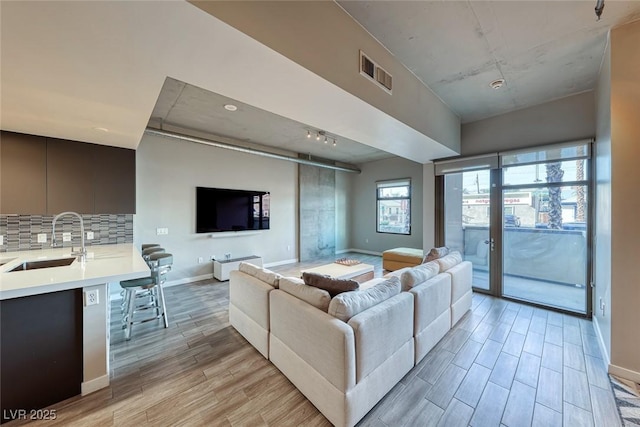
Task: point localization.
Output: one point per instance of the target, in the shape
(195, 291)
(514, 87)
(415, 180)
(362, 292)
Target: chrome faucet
(82, 254)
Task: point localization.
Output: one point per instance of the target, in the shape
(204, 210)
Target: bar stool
(151, 287)
(152, 250)
(146, 253)
(148, 245)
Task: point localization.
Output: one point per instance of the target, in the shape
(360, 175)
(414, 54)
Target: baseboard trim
(283, 262)
(603, 348)
(88, 387)
(625, 373)
(360, 251)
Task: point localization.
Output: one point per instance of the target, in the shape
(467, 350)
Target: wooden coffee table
(359, 272)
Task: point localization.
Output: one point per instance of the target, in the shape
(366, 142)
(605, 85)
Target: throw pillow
(329, 284)
(348, 304)
(266, 276)
(318, 298)
(435, 253)
(418, 275)
(451, 260)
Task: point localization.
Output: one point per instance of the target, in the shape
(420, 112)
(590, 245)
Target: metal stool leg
(163, 305)
(129, 318)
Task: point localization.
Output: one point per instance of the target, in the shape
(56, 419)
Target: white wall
(363, 201)
(602, 211)
(565, 119)
(168, 172)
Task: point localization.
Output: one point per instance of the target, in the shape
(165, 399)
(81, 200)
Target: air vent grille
(375, 73)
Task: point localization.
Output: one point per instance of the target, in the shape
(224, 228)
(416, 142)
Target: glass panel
(570, 170)
(545, 251)
(546, 154)
(467, 218)
(393, 192)
(394, 216)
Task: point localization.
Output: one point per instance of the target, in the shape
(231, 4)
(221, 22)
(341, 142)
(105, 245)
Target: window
(394, 207)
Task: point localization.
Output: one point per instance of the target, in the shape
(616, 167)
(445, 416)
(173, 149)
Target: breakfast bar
(54, 312)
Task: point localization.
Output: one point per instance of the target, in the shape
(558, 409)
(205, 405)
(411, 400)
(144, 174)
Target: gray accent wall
(317, 187)
(565, 119)
(169, 172)
(343, 208)
(363, 199)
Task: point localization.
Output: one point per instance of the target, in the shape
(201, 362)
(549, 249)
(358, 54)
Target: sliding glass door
(467, 221)
(524, 224)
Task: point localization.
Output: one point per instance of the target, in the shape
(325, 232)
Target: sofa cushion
(451, 260)
(318, 298)
(348, 304)
(329, 284)
(267, 276)
(419, 274)
(435, 253)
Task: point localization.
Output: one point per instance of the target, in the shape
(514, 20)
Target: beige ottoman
(395, 259)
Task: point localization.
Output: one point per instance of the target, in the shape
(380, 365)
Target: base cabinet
(40, 352)
(222, 268)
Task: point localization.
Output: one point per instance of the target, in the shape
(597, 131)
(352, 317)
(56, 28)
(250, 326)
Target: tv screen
(220, 209)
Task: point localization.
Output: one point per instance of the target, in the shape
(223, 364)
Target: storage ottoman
(395, 259)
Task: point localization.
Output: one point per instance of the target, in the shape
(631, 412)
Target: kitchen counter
(53, 343)
(104, 264)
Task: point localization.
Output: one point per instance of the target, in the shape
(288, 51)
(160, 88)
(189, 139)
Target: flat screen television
(221, 209)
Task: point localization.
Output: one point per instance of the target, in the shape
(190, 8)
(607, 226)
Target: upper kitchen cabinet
(114, 180)
(69, 177)
(23, 174)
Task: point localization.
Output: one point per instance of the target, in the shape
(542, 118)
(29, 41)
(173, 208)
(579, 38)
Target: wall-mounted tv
(221, 209)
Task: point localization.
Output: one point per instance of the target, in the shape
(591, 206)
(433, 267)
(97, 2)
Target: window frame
(402, 182)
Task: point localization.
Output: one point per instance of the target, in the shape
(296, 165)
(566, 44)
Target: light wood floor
(503, 364)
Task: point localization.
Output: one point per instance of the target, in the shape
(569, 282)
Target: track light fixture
(322, 135)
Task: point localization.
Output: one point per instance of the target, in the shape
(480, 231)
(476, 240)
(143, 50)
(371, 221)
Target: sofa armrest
(432, 298)
(381, 331)
(322, 341)
(251, 296)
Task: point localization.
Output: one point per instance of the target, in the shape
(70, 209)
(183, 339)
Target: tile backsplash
(21, 231)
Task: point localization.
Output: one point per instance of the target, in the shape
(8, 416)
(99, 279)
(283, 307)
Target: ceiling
(181, 105)
(114, 76)
(543, 49)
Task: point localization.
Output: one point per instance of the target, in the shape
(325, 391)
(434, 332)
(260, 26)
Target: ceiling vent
(375, 73)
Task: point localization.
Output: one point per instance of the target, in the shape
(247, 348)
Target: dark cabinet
(23, 174)
(69, 177)
(41, 175)
(114, 182)
(40, 351)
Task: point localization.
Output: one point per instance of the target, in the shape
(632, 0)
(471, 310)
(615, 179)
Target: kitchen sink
(47, 263)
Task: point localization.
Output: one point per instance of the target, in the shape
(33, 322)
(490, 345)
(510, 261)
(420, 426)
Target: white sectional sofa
(345, 353)
(249, 289)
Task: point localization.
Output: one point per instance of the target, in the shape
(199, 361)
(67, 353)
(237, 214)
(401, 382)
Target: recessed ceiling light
(497, 84)
(230, 107)
(100, 129)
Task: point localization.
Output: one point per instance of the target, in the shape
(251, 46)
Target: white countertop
(104, 264)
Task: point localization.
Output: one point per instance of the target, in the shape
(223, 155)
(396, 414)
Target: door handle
(491, 243)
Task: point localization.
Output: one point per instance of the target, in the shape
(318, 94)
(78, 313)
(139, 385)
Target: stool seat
(140, 282)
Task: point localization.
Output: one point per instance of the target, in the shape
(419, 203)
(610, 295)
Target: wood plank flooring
(504, 364)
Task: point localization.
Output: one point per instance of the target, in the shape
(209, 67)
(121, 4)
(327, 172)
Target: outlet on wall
(66, 237)
(42, 237)
(91, 297)
(1, 239)
(89, 235)
(162, 231)
(200, 260)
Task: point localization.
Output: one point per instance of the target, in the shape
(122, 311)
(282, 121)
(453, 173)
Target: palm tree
(555, 174)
